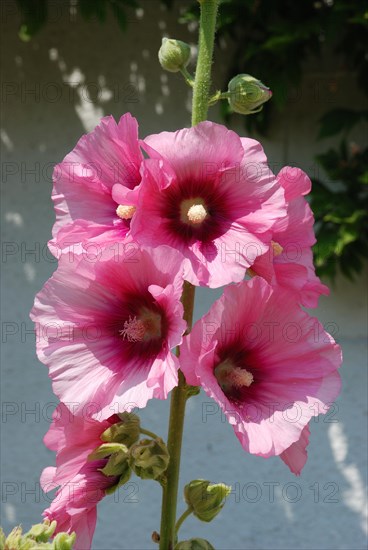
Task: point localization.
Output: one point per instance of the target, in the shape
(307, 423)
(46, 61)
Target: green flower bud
(205, 499)
(41, 532)
(194, 544)
(173, 55)
(246, 94)
(64, 541)
(14, 538)
(127, 431)
(27, 544)
(107, 449)
(149, 458)
(37, 538)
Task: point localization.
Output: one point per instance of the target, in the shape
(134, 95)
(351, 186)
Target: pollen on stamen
(134, 330)
(230, 376)
(197, 213)
(241, 377)
(277, 248)
(125, 211)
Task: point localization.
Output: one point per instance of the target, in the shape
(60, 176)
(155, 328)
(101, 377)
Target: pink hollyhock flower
(86, 211)
(81, 483)
(209, 194)
(289, 262)
(106, 329)
(269, 365)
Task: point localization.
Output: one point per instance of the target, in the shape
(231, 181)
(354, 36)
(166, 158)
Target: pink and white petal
(295, 456)
(163, 376)
(295, 182)
(84, 525)
(253, 152)
(47, 479)
(167, 299)
(198, 152)
(124, 195)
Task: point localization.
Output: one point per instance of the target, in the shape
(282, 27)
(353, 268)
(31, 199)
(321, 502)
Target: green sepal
(124, 478)
(206, 499)
(107, 449)
(116, 465)
(127, 431)
(41, 532)
(64, 541)
(149, 458)
(174, 55)
(247, 94)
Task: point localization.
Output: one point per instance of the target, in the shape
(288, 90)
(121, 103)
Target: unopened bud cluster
(147, 458)
(37, 538)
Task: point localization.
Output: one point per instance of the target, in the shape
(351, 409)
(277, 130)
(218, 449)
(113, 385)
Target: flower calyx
(126, 432)
(205, 499)
(149, 458)
(247, 94)
(174, 55)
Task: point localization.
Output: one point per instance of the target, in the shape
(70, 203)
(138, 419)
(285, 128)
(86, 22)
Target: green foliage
(340, 205)
(340, 120)
(34, 13)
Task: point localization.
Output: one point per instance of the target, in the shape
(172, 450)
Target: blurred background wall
(57, 87)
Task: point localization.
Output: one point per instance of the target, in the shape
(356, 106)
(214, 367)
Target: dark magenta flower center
(235, 373)
(195, 211)
(140, 326)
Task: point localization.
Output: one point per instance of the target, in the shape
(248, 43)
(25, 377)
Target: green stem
(182, 518)
(179, 395)
(170, 489)
(187, 76)
(202, 83)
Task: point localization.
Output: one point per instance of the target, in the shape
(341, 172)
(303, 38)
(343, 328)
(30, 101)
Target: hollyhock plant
(211, 195)
(197, 207)
(256, 353)
(289, 262)
(86, 211)
(106, 329)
